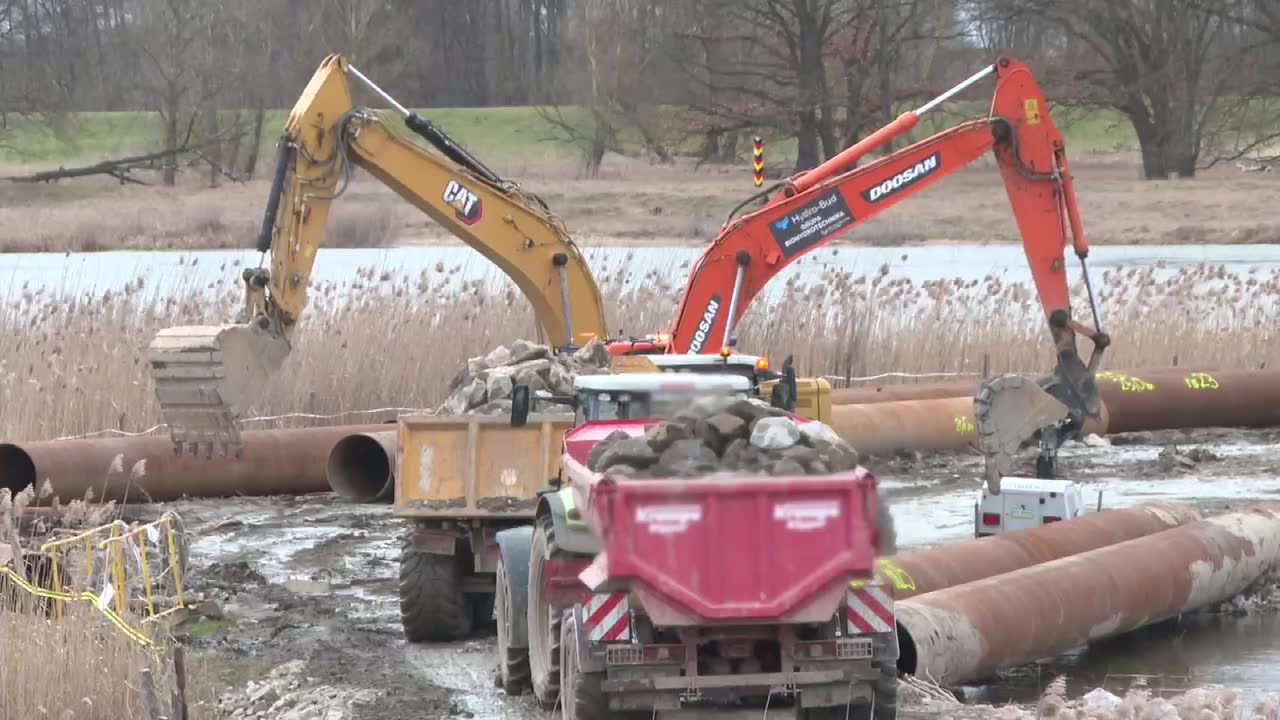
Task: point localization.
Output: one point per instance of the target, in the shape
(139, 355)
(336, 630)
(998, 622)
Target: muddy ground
(313, 580)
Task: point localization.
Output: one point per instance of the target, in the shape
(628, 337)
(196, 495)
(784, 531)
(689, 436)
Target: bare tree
(1168, 65)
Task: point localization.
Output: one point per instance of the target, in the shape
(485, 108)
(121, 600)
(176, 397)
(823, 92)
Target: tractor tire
(433, 607)
(582, 696)
(513, 663)
(544, 620)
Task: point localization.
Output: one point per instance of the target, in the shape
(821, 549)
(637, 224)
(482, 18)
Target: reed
(71, 364)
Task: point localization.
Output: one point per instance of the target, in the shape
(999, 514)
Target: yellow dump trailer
(461, 480)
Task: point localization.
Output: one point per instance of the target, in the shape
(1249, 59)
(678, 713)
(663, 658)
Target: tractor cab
(630, 396)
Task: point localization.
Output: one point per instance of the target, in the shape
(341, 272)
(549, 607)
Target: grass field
(509, 133)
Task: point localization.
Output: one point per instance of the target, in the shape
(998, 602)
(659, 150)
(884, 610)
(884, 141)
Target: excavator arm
(809, 210)
(206, 376)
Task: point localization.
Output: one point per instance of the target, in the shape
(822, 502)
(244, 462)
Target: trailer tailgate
(737, 548)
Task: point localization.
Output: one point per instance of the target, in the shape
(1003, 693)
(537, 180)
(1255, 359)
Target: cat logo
(466, 204)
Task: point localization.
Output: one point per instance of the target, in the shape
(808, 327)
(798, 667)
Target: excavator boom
(207, 376)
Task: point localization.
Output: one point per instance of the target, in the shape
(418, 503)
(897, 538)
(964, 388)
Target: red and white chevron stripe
(869, 610)
(606, 617)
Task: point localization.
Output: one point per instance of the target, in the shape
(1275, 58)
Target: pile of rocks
(484, 385)
(721, 434)
(285, 694)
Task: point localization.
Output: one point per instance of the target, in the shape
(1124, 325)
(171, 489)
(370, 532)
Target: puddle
(1241, 653)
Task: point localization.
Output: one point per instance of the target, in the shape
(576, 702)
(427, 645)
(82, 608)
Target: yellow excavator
(207, 375)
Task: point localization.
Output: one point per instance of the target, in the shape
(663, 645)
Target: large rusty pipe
(361, 467)
(1112, 385)
(924, 571)
(938, 424)
(1190, 398)
(968, 632)
(142, 468)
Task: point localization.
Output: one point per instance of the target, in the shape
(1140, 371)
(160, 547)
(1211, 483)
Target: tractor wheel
(433, 607)
(544, 620)
(513, 663)
(581, 694)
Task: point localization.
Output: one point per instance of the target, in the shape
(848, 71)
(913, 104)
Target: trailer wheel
(433, 607)
(513, 662)
(544, 620)
(885, 692)
(582, 696)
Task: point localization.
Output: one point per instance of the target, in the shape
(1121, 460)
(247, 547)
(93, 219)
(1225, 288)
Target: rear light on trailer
(843, 649)
(1051, 519)
(991, 519)
(628, 654)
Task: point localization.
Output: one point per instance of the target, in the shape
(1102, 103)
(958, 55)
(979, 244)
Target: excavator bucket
(206, 376)
(1007, 412)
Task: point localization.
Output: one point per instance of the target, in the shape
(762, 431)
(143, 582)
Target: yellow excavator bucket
(207, 376)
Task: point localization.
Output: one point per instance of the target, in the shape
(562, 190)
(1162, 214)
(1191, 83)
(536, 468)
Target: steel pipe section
(870, 394)
(361, 467)
(925, 571)
(1167, 400)
(968, 632)
(145, 468)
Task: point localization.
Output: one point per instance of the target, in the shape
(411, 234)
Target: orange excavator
(808, 210)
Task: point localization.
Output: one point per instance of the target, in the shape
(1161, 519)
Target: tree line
(1195, 78)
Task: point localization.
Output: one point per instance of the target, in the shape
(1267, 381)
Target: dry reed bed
(72, 365)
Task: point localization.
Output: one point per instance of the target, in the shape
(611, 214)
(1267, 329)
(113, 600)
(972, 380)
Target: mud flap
(571, 537)
(513, 546)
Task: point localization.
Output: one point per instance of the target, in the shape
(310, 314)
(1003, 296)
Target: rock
(460, 378)
(739, 454)
(595, 354)
(522, 350)
(496, 407)
(532, 379)
(685, 458)
(560, 380)
(467, 397)
(751, 410)
(1094, 440)
(817, 467)
(633, 451)
(786, 467)
(476, 365)
(801, 454)
(775, 433)
(623, 470)
(838, 457)
(1170, 458)
(498, 357)
(541, 366)
(727, 426)
(263, 697)
(593, 455)
(709, 437)
(816, 430)
(499, 387)
(662, 435)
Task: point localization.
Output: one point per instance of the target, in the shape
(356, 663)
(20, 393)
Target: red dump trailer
(671, 594)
